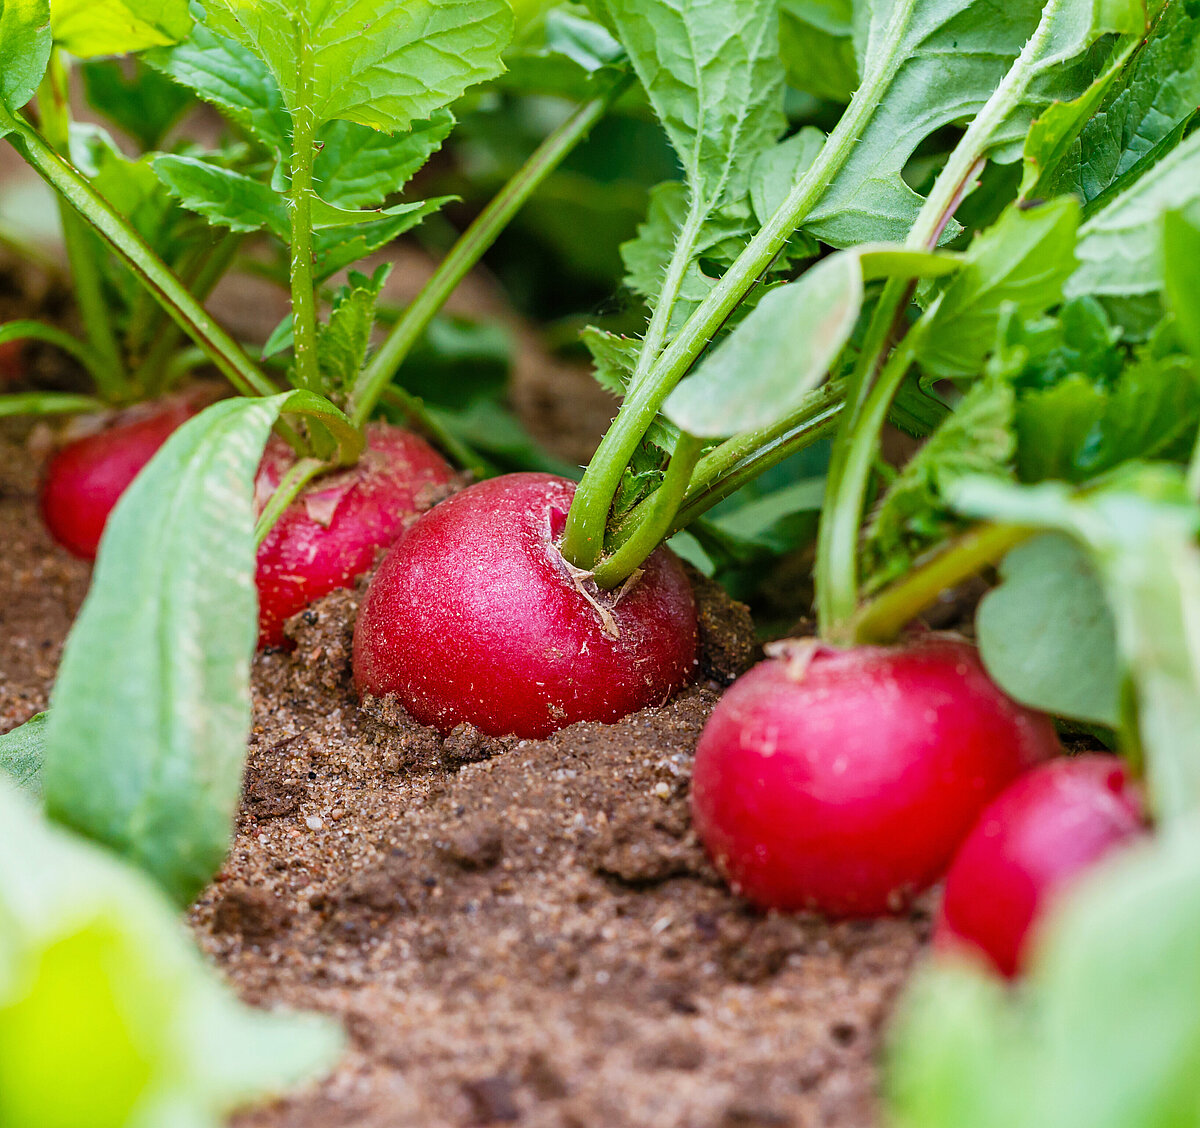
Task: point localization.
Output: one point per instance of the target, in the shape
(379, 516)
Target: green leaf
(338, 247)
(151, 711)
(1104, 1032)
(87, 28)
(784, 349)
(25, 44)
(380, 63)
(343, 340)
(108, 1015)
(1157, 91)
(1120, 247)
(49, 403)
(145, 104)
(817, 48)
(224, 197)
(235, 80)
(1023, 260)
(614, 357)
(1181, 272)
(1046, 634)
(359, 167)
(565, 54)
(905, 52)
(976, 438)
(1141, 535)
(22, 752)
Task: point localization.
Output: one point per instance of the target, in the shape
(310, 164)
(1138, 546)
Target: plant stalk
(300, 197)
(881, 618)
(54, 106)
(583, 540)
(290, 487)
(471, 247)
(183, 308)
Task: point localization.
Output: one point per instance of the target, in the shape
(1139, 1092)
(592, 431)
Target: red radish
(84, 479)
(474, 616)
(330, 535)
(1030, 844)
(842, 781)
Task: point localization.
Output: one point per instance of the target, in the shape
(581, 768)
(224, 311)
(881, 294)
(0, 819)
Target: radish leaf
(151, 710)
(25, 44)
(22, 752)
(87, 28)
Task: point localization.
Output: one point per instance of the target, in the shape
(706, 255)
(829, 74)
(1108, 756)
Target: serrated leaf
(22, 752)
(339, 247)
(1140, 533)
(784, 348)
(1143, 104)
(343, 340)
(87, 28)
(1022, 261)
(145, 104)
(359, 167)
(224, 197)
(25, 44)
(235, 80)
(976, 438)
(1120, 247)
(380, 63)
(146, 740)
(108, 1015)
(1046, 634)
(615, 358)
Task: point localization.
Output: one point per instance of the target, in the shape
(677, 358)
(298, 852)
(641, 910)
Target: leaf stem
(617, 567)
(54, 106)
(583, 539)
(290, 486)
(883, 617)
(471, 247)
(300, 198)
(129, 246)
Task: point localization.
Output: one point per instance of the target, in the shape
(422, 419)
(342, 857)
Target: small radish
(842, 781)
(1032, 842)
(85, 478)
(474, 616)
(330, 535)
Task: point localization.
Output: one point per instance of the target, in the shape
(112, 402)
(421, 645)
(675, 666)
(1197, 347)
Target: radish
(332, 533)
(474, 616)
(1029, 845)
(84, 479)
(842, 781)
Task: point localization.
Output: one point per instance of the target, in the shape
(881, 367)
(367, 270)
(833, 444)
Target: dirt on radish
(531, 937)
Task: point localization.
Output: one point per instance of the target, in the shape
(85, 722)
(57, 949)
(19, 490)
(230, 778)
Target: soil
(512, 932)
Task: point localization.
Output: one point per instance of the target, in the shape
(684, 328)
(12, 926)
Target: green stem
(583, 539)
(725, 469)
(837, 540)
(39, 331)
(54, 105)
(183, 308)
(157, 372)
(617, 567)
(471, 247)
(304, 295)
(290, 486)
(884, 616)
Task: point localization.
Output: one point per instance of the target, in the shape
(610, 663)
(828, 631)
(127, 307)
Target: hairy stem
(183, 308)
(300, 199)
(54, 106)
(885, 615)
(583, 539)
(471, 247)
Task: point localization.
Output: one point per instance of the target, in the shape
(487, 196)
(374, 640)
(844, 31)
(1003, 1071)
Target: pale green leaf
(151, 710)
(88, 28)
(381, 63)
(1121, 247)
(25, 44)
(784, 349)
(338, 247)
(22, 751)
(108, 1016)
(1046, 634)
